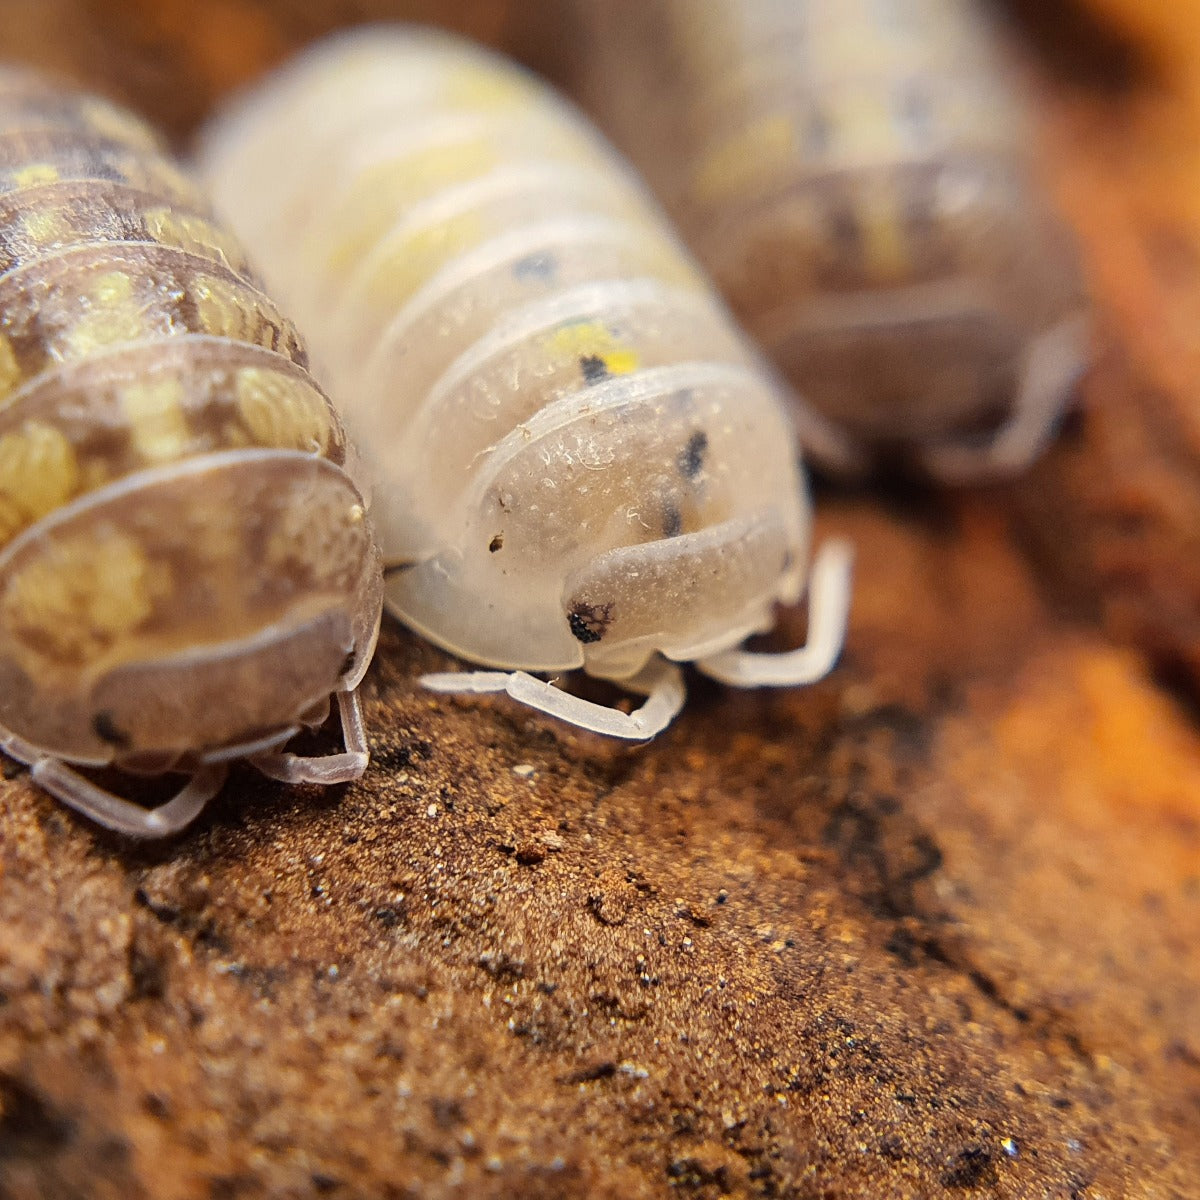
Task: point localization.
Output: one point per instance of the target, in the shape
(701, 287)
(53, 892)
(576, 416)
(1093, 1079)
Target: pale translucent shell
(572, 450)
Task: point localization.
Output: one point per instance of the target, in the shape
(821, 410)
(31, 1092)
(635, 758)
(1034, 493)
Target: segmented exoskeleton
(857, 176)
(186, 571)
(576, 459)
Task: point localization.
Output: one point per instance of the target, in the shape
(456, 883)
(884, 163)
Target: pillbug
(856, 175)
(576, 459)
(186, 572)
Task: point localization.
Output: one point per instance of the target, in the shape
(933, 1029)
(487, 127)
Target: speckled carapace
(186, 569)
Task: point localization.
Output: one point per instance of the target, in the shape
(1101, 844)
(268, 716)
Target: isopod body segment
(576, 458)
(857, 175)
(186, 570)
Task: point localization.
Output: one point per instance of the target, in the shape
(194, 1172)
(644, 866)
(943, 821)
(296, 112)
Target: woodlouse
(576, 459)
(186, 572)
(858, 177)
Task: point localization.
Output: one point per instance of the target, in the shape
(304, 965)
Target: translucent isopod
(857, 176)
(186, 573)
(576, 459)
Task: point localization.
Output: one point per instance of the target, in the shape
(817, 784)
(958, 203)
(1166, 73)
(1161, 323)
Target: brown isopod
(186, 570)
(857, 176)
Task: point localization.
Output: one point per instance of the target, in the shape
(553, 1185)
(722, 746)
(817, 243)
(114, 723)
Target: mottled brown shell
(185, 565)
(857, 176)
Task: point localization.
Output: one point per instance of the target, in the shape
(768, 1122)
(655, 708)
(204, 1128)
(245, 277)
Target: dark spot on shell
(594, 368)
(672, 525)
(844, 228)
(497, 543)
(691, 458)
(106, 729)
(913, 110)
(541, 265)
(817, 132)
(589, 621)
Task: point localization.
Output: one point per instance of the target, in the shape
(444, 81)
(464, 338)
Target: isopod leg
(828, 608)
(328, 768)
(1051, 369)
(123, 816)
(825, 444)
(660, 681)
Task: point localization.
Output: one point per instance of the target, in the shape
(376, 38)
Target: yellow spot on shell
(113, 288)
(412, 261)
(223, 309)
(47, 227)
(884, 243)
(35, 174)
(432, 168)
(471, 87)
(38, 473)
(77, 598)
(591, 339)
(12, 519)
(160, 177)
(114, 316)
(154, 410)
(282, 413)
(737, 163)
(111, 122)
(186, 231)
(381, 191)
(10, 369)
(866, 130)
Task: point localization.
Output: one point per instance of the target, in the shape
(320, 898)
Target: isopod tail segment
(111, 811)
(661, 680)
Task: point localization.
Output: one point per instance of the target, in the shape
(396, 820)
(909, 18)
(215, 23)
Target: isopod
(577, 460)
(857, 175)
(186, 571)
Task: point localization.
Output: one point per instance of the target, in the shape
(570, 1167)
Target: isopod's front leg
(324, 769)
(826, 443)
(113, 812)
(831, 448)
(828, 609)
(660, 681)
(1052, 367)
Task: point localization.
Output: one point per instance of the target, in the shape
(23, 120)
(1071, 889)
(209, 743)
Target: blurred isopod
(857, 176)
(186, 572)
(576, 459)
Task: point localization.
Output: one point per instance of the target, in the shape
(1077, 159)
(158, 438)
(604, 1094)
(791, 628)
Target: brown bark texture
(930, 927)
